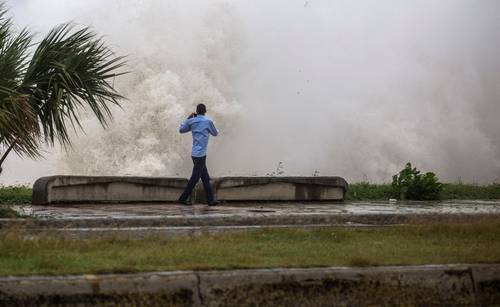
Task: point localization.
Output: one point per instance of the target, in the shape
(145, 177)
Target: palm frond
(69, 71)
(18, 122)
(19, 126)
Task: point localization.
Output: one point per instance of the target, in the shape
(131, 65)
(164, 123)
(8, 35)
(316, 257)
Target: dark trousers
(199, 171)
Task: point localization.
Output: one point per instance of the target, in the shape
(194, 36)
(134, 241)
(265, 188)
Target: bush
(411, 184)
(15, 195)
(368, 191)
(470, 191)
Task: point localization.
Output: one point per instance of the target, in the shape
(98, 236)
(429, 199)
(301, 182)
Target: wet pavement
(138, 220)
(155, 210)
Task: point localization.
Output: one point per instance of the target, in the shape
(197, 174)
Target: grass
(7, 212)
(13, 195)
(22, 254)
(369, 191)
(469, 191)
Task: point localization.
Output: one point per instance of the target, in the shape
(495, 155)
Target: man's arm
(185, 127)
(212, 130)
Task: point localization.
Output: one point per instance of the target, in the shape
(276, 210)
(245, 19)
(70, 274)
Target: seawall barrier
(113, 189)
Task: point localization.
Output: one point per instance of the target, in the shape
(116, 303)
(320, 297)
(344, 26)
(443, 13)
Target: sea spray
(164, 87)
(350, 88)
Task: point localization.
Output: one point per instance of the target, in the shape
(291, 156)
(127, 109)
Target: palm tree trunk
(5, 154)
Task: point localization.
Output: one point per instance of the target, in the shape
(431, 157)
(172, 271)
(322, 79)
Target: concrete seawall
(280, 188)
(89, 189)
(451, 285)
(61, 189)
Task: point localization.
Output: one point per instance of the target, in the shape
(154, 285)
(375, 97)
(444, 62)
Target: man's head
(201, 109)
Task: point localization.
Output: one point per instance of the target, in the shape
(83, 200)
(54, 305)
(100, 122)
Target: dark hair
(201, 109)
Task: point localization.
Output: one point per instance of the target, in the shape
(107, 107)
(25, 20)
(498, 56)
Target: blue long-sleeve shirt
(201, 127)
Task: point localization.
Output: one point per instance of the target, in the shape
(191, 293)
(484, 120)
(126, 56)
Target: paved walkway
(147, 218)
(85, 220)
(151, 210)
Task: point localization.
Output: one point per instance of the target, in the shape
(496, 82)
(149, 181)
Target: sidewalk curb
(241, 220)
(459, 285)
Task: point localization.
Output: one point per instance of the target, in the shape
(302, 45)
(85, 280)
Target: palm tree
(41, 93)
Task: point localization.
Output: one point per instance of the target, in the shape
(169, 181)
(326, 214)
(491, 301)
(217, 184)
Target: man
(201, 128)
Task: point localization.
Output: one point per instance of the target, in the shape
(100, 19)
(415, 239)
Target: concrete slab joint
(111, 189)
(486, 281)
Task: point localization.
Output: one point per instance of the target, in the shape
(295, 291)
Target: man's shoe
(213, 203)
(185, 202)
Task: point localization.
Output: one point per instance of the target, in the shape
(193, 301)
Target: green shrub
(368, 191)
(470, 191)
(15, 195)
(411, 184)
(372, 191)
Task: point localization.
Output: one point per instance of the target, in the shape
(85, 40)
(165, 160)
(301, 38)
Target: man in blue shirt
(201, 128)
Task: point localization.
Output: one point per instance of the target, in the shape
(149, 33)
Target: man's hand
(192, 115)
